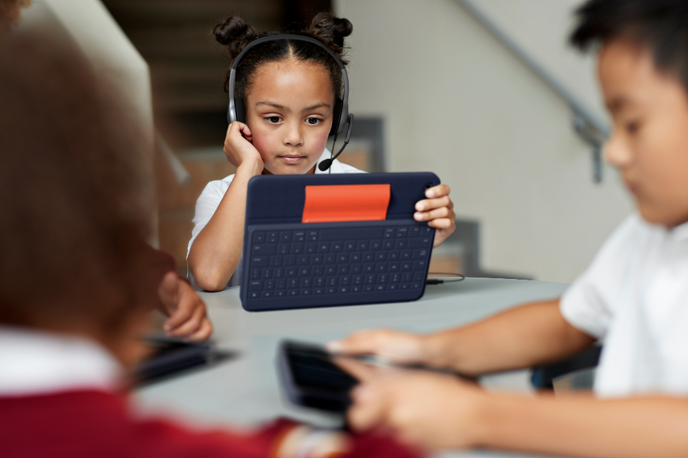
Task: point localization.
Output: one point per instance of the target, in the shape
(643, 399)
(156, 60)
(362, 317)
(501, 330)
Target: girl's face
(289, 111)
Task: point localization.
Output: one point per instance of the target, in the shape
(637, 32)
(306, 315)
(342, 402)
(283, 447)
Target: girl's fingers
(203, 333)
(437, 191)
(168, 292)
(443, 212)
(368, 411)
(429, 204)
(191, 325)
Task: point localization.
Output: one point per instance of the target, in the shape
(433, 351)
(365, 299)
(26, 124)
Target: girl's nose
(292, 135)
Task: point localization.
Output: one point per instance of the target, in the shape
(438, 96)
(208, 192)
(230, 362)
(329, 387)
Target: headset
(341, 116)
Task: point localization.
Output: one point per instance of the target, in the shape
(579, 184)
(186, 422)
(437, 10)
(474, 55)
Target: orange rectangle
(339, 203)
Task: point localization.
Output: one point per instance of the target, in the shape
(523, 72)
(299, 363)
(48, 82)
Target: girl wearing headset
(288, 91)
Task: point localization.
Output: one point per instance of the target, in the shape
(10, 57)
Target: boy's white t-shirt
(634, 296)
(214, 191)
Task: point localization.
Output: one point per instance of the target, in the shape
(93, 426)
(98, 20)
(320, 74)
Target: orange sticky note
(351, 202)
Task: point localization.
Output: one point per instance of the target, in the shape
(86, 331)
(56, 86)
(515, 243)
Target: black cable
(438, 281)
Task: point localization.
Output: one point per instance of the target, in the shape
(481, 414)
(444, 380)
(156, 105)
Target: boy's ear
(336, 115)
(240, 112)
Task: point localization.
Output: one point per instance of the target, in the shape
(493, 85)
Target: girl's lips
(291, 159)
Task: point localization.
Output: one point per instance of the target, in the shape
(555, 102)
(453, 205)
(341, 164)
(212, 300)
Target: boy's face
(289, 110)
(649, 141)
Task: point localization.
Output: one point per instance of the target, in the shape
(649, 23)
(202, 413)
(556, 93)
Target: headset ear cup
(336, 116)
(240, 112)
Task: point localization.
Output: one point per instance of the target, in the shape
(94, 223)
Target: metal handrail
(589, 127)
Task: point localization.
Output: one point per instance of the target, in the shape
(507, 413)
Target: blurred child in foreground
(634, 296)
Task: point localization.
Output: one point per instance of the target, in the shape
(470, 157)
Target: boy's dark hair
(72, 222)
(661, 26)
(235, 35)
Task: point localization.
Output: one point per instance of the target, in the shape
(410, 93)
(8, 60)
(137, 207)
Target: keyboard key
(255, 274)
(380, 287)
(356, 269)
(331, 281)
(350, 246)
(368, 257)
(356, 289)
(344, 280)
(414, 231)
(394, 267)
(389, 244)
(370, 279)
(276, 261)
(401, 244)
(255, 285)
(337, 246)
(420, 254)
(368, 268)
(330, 270)
(292, 283)
(342, 270)
(290, 271)
(306, 282)
(290, 260)
(285, 237)
(406, 255)
(297, 248)
(369, 288)
(405, 266)
(394, 278)
(254, 294)
(323, 247)
(343, 289)
(381, 267)
(382, 278)
(268, 294)
(310, 248)
(357, 279)
(280, 293)
(316, 259)
(319, 281)
(406, 277)
(402, 231)
(416, 285)
(381, 256)
(272, 237)
(312, 236)
(267, 273)
(304, 272)
(392, 287)
(355, 257)
(306, 292)
(375, 245)
(318, 290)
(342, 258)
(299, 236)
(347, 234)
(283, 249)
(260, 261)
(279, 272)
(330, 258)
(317, 270)
(259, 237)
(420, 242)
(389, 233)
(269, 284)
(331, 290)
(264, 250)
(419, 265)
(404, 286)
(425, 230)
(293, 292)
(419, 276)
(362, 245)
(303, 259)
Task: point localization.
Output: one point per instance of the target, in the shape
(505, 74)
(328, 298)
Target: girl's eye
(273, 119)
(313, 121)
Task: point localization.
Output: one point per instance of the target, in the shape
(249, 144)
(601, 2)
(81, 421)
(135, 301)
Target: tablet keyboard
(310, 265)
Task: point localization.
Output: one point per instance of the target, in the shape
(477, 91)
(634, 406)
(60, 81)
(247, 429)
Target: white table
(245, 391)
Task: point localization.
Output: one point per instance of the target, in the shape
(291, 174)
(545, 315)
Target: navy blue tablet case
(288, 264)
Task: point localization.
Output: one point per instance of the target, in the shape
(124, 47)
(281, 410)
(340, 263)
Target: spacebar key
(351, 234)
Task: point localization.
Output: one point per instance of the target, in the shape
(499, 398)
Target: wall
(456, 102)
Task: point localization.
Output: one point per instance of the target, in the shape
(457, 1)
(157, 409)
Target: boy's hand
(429, 411)
(399, 347)
(239, 147)
(186, 311)
(438, 211)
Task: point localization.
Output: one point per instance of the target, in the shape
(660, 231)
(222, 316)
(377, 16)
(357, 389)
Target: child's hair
(658, 25)
(73, 224)
(235, 35)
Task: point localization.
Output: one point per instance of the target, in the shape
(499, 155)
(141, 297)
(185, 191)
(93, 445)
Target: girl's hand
(396, 346)
(438, 211)
(429, 411)
(239, 147)
(187, 313)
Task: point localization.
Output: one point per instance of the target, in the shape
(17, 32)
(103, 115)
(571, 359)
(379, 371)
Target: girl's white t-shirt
(212, 195)
(634, 296)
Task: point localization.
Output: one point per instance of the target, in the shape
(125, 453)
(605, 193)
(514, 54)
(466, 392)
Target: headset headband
(341, 119)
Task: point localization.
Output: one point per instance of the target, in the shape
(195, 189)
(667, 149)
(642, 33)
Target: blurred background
(485, 93)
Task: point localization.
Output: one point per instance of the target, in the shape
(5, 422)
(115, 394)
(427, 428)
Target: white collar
(336, 166)
(34, 362)
(680, 232)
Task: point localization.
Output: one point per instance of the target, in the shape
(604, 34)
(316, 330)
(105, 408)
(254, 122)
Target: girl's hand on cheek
(239, 148)
(428, 411)
(438, 210)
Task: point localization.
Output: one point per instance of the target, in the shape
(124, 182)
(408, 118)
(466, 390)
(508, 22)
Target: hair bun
(331, 31)
(235, 34)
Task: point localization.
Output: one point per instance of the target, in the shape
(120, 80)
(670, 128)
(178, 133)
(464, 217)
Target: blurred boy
(634, 295)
